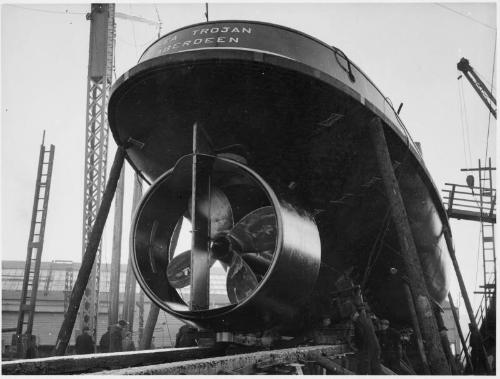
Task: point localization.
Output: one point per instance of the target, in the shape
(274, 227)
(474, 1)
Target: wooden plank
(471, 216)
(78, 364)
(231, 363)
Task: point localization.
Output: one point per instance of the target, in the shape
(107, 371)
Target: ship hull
(299, 110)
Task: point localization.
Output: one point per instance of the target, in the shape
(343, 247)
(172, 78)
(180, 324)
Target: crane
(101, 61)
(478, 85)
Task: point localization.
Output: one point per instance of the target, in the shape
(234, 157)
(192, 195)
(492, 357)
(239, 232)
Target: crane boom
(478, 85)
(136, 18)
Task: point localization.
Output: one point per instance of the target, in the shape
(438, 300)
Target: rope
(465, 123)
(466, 16)
(133, 33)
(491, 90)
(46, 10)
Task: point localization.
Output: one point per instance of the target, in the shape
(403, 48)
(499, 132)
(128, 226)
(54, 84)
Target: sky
(409, 50)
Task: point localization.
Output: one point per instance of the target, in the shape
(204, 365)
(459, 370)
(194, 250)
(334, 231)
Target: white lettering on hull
(223, 29)
(199, 41)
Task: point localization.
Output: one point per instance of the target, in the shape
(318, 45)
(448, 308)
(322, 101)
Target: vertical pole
(200, 266)
(89, 256)
(114, 283)
(140, 327)
(460, 333)
(481, 192)
(130, 282)
(436, 356)
(416, 329)
(468, 306)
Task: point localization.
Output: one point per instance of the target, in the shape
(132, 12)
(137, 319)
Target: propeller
(245, 250)
(221, 219)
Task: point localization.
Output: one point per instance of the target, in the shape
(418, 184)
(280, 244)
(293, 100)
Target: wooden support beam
(460, 332)
(416, 329)
(445, 341)
(330, 365)
(91, 363)
(130, 282)
(436, 357)
(114, 282)
(90, 254)
(468, 306)
(212, 366)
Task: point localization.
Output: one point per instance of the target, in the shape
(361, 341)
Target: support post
(416, 329)
(436, 356)
(114, 283)
(445, 341)
(200, 262)
(89, 256)
(460, 332)
(468, 306)
(140, 305)
(130, 282)
(145, 342)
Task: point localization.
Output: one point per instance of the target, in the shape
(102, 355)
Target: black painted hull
(290, 101)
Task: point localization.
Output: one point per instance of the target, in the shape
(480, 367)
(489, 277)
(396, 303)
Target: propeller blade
(241, 280)
(219, 209)
(256, 231)
(258, 262)
(179, 270)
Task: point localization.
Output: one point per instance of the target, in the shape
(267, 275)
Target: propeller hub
(221, 248)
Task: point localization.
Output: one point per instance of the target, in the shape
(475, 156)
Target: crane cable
(464, 123)
(491, 90)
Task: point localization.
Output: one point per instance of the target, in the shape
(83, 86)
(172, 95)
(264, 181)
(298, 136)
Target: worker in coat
(116, 334)
(84, 343)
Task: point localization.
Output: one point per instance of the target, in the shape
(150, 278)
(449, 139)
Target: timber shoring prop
(436, 357)
(456, 318)
(89, 256)
(90, 363)
(330, 365)
(416, 329)
(232, 363)
(472, 319)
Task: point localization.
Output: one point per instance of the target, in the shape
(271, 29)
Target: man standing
(116, 336)
(390, 343)
(104, 342)
(84, 343)
(186, 336)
